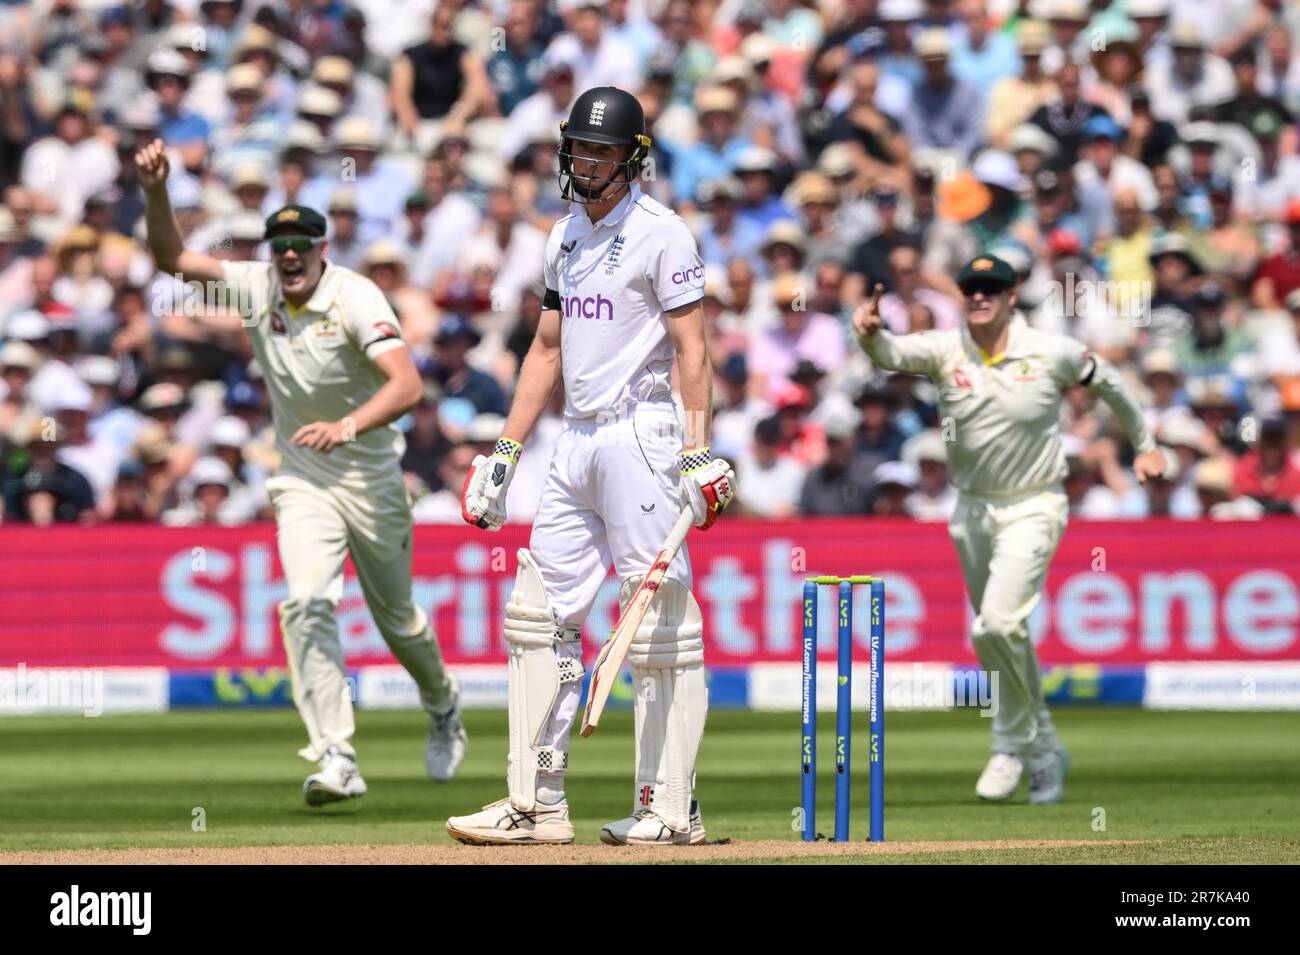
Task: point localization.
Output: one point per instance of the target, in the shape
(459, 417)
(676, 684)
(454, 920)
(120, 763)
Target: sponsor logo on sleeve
(689, 275)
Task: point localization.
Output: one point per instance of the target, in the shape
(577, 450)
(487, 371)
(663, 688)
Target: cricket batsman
(338, 375)
(1000, 382)
(624, 284)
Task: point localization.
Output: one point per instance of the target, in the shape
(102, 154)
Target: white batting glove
(708, 485)
(483, 499)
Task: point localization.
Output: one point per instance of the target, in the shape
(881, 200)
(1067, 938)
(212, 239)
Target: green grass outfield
(1173, 787)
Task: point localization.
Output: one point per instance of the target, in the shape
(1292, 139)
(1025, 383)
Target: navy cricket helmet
(612, 117)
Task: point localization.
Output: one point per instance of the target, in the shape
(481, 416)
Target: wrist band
(508, 449)
(694, 460)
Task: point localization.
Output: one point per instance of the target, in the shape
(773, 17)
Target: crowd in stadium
(1135, 161)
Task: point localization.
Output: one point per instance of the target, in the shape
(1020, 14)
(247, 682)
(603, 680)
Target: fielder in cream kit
(624, 283)
(338, 375)
(1000, 383)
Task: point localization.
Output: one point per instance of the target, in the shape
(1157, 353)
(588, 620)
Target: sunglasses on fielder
(990, 289)
(297, 243)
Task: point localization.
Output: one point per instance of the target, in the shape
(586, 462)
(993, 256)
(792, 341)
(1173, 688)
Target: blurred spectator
(1269, 473)
(865, 124)
(1102, 163)
(1013, 98)
(439, 79)
(934, 499)
(1063, 115)
(1163, 380)
(981, 56)
(599, 57)
(725, 237)
(127, 502)
(1279, 273)
(40, 489)
(945, 112)
(894, 483)
(871, 258)
(515, 70)
(346, 246)
(1213, 479)
(879, 439)
(18, 411)
(1193, 77)
(380, 186)
(452, 371)
(736, 411)
(719, 146)
(64, 169)
(448, 214)
(907, 296)
(784, 248)
(841, 485)
(543, 111)
(774, 353)
(768, 483)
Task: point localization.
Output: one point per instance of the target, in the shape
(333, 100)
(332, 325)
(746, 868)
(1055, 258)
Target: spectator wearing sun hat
(1013, 99)
(1192, 77)
(251, 130)
(380, 185)
(719, 146)
(945, 112)
(799, 333)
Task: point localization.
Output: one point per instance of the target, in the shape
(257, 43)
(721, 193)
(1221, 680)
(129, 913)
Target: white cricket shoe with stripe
(1000, 779)
(645, 828)
(501, 824)
(336, 780)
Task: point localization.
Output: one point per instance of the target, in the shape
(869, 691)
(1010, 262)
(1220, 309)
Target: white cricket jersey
(1005, 409)
(318, 364)
(615, 280)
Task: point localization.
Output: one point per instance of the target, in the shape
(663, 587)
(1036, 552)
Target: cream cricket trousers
(317, 527)
(1005, 547)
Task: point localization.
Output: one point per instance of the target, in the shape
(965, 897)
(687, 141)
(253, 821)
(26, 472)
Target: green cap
(987, 268)
(295, 219)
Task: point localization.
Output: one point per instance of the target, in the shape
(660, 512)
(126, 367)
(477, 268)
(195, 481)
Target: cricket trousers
(611, 497)
(1005, 546)
(317, 528)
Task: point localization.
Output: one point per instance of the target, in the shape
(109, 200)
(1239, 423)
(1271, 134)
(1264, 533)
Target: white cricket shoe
(501, 824)
(1047, 777)
(645, 828)
(336, 780)
(1000, 779)
(445, 747)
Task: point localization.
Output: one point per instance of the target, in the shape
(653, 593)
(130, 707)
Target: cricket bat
(614, 652)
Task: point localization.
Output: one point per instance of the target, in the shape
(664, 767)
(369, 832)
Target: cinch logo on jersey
(688, 275)
(132, 909)
(589, 306)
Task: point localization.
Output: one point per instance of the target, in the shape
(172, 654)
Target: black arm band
(551, 300)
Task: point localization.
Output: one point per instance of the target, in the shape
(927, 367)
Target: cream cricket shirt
(318, 364)
(1006, 408)
(613, 281)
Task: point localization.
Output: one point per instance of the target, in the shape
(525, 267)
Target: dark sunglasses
(300, 244)
(990, 289)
